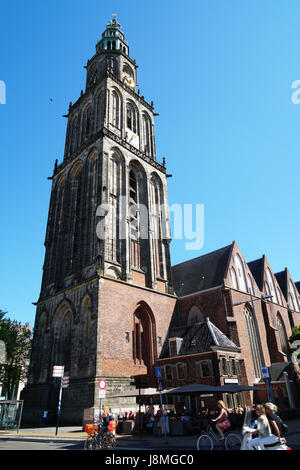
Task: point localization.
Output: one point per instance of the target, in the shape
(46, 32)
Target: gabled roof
(257, 269)
(278, 368)
(200, 338)
(201, 273)
(282, 281)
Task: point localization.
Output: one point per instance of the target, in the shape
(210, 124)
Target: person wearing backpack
(278, 427)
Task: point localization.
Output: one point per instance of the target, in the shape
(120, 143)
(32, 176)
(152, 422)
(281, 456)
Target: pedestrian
(277, 426)
(222, 420)
(111, 415)
(45, 414)
(263, 430)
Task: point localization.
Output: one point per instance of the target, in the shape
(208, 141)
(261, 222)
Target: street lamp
(266, 379)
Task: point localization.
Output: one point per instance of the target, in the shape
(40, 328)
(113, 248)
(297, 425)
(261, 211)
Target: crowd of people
(194, 421)
(266, 425)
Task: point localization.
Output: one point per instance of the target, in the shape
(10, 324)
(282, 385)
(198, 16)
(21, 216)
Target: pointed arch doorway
(144, 337)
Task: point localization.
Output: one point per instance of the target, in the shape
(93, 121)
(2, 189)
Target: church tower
(106, 298)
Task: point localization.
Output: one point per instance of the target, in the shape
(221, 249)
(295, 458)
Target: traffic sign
(58, 371)
(160, 386)
(158, 373)
(265, 372)
(65, 382)
(102, 393)
(102, 384)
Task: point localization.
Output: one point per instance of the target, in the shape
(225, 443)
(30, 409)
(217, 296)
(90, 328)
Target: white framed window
(224, 365)
(293, 296)
(240, 273)
(234, 366)
(234, 278)
(282, 335)
(272, 286)
(279, 296)
(169, 371)
(181, 371)
(204, 368)
(250, 284)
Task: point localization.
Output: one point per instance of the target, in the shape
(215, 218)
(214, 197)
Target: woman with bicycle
(222, 420)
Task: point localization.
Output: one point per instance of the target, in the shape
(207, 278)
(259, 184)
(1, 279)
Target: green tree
(17, 338)
(295, 334)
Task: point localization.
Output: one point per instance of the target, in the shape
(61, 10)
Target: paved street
(8, 444)
(72, 438)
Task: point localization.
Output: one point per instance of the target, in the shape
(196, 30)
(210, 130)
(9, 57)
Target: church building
(111, 306)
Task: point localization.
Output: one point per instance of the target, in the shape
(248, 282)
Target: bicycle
(94, 439)
(207, 439)
(108, 441)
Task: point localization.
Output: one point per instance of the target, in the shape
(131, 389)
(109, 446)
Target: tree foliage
(295, 334)
(17, 339)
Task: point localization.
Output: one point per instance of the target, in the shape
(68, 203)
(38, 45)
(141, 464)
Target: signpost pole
(58, 409)
(159, 388)
(58, 371)
(140, 418)
(102, 386)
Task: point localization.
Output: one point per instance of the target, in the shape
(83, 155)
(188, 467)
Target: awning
(145, 392)
(200, 388)
(186, 389)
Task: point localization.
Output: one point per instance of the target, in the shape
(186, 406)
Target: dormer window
(174, 346)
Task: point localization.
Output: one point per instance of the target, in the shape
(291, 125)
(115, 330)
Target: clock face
(127, 79)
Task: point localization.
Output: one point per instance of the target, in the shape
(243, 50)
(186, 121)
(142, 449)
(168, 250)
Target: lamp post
(266, 379)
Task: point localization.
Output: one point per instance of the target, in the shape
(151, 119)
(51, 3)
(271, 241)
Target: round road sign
(102, 384)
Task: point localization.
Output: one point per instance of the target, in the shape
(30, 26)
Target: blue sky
(220, 75)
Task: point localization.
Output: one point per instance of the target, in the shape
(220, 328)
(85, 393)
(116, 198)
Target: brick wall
(117, 304)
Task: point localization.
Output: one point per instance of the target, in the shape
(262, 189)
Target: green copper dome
(113, 38)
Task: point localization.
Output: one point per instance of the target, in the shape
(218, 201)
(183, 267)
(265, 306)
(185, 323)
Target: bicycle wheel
(205, 442)
(233, 442)
(90, 443)
(111, 442)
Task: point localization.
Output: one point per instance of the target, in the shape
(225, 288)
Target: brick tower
(106, 299)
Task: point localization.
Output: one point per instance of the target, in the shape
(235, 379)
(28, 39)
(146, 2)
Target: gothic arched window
(253, 341)
(293, 297)
(116, 109)
(75, 221)
(282, 335)
(85, 325)
(99, 110)
(86, 122)
(143, 338)
(57, 247)
(134, 220)
(272, 286)
(240, 273)
(147, 134)
(279, 296)
(73, 134)
(194, 316)
(62, 346)
(131, 118)
(234, 278)
(156, 202)
(115, 225)
(250, 284)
